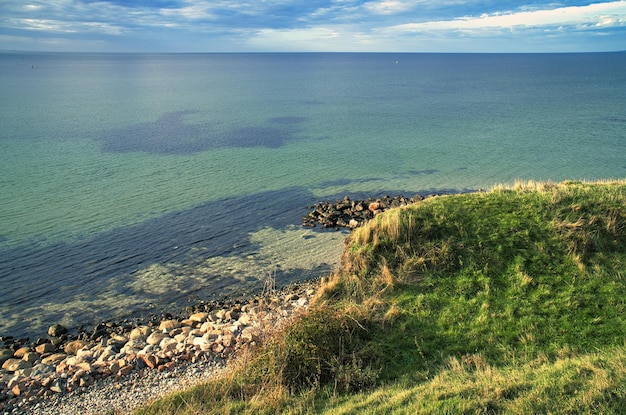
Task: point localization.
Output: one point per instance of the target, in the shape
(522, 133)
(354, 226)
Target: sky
(312, 25)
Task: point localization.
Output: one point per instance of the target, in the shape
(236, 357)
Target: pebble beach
(116, 368)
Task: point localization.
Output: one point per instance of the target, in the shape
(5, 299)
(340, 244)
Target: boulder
(54, 359)
(19, 353)
(74, 360)
(74, 346)
(117, 339)
(56, 330)
(199, 317)
(155, 338)
(58, 386)
(5, 354)
(125, 370)
(31, 357)
(149, 360)
(45, 348)
(168, 344)
(140, 333)
(13, 365)
(168, 325)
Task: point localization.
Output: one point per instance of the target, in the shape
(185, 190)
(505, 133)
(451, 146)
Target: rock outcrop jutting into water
(351, 214)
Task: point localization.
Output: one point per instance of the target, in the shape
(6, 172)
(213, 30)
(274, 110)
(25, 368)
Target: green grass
(512, 301)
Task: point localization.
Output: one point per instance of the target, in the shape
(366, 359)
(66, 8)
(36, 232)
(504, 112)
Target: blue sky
(313, 25)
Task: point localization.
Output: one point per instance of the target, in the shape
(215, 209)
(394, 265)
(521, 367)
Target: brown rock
(58, 386)
(19, 353)
(54, 359)
(75, 346)
(245, 319)
(189, 322)
(168, 344)
(86, 381)
(228, 340)
(117, 340)
(45, 348)
(156, 337)
(125, 370)
(18, 389)
(249, 335)
(79, 374)
(167, 325)
(199, 317)
(140, 333)
(232, 315)
(84, 366)
(149, 360)
(12, 365)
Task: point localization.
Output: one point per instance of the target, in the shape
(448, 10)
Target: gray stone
(58, 386)
(41, 369)
(117, 339)
(108, 353)
(31, 357)
(115, 367)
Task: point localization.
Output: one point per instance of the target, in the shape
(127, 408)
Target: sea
(138, 184)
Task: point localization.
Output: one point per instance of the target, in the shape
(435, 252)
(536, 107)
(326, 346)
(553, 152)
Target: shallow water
(131, 184)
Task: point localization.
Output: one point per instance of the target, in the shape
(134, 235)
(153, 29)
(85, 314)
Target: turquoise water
(131, 184)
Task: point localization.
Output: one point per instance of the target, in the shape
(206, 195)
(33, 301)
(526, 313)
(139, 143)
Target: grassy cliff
(513, 300)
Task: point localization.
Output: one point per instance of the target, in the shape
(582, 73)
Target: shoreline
(79, 373)
(60, 370)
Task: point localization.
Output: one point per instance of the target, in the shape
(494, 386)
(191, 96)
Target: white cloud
(389, 6)
(599, 14)
(59, 26)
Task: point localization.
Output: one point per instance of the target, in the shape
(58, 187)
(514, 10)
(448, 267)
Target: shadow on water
(170, 134)
(34, 277)
(91, 279)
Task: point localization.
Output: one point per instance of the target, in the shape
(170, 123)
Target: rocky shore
(66, 373)
(115, 365)
(347, 213)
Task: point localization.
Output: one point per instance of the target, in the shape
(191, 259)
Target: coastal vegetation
(506, 301)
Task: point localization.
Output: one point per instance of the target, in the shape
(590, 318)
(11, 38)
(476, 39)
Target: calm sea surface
(133, 184)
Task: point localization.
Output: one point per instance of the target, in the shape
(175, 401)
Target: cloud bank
(316, 25)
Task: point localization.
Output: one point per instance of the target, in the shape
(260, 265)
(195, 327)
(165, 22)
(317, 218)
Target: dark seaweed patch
(287, 120)
(422, 172)
(616, 119)
(170, 134)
